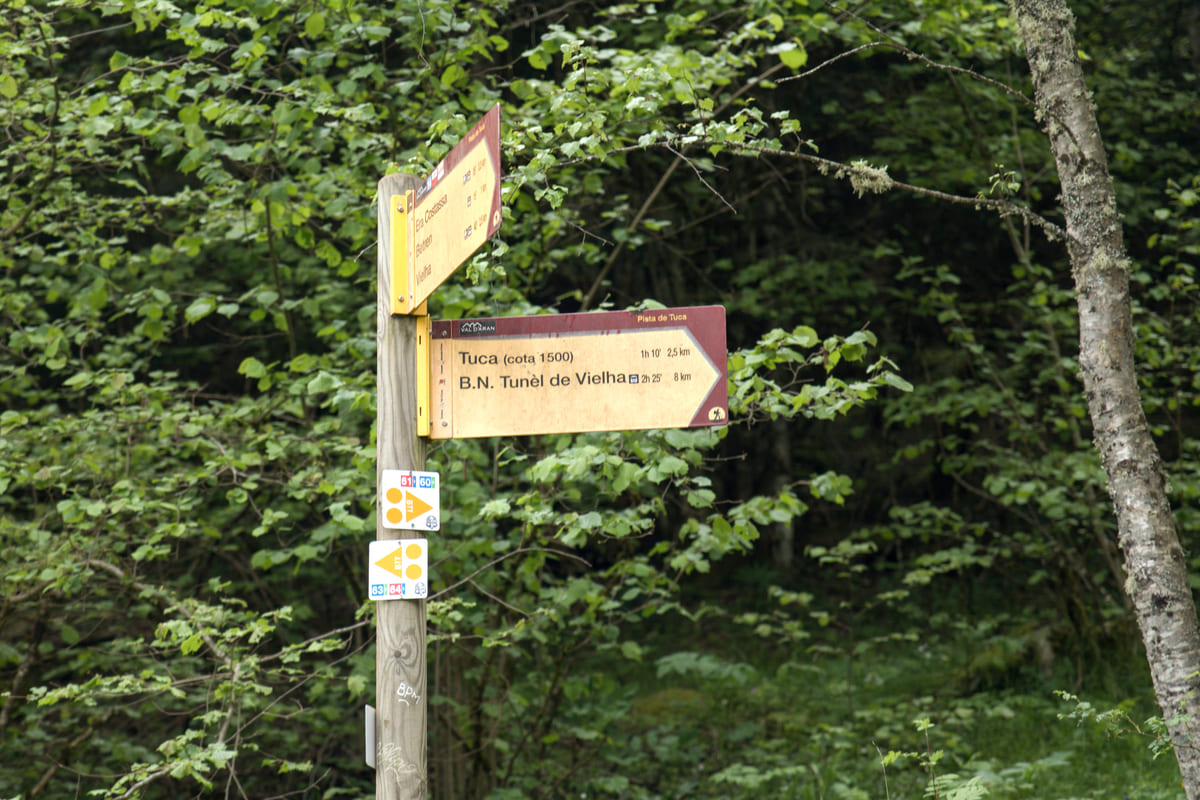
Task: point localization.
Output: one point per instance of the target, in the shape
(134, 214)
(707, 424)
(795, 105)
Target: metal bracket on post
(369, 730)
(403, 281)
(424, 396)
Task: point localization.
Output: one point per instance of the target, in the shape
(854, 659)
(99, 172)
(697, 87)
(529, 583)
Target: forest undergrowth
(728, 708)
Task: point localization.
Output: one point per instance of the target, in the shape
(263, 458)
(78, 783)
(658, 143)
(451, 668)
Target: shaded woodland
(896, 571)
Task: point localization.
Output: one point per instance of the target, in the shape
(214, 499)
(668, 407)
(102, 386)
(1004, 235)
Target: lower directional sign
(398, 569)
(571, 373)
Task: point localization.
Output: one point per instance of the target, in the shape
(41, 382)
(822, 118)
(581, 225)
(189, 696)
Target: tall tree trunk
(1157, 580)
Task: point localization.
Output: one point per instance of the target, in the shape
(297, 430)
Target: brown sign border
(406, 297)
(705, 324)
(489, 128)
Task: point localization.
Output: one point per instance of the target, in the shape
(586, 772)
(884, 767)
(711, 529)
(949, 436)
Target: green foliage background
(867, 585)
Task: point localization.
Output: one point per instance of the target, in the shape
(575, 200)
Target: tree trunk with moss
(1156, 570)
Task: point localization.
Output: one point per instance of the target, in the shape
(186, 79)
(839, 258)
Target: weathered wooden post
(401, 706)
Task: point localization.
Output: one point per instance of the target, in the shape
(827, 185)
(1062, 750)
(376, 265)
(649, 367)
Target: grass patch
(886, 717)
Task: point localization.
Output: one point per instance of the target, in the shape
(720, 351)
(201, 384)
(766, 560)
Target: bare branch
(892, 41)
(510, 554)
(700, 177)
(838, 57)
(839, 169)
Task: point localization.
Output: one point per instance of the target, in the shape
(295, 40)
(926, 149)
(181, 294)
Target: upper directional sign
(409, 500)
(571, 373)
(437, 227)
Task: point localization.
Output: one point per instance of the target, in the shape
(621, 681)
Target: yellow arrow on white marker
(404, 506)
(405, 561)
(409, 500)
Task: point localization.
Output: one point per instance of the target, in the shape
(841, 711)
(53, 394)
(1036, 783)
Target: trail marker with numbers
(571, 373)
(398, 569)
(438, 225)
(410, 500)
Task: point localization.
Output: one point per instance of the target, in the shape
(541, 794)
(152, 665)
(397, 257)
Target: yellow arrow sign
(414, 507)
(571, 373)
(403, 506)
(404, 561)
(437, 227)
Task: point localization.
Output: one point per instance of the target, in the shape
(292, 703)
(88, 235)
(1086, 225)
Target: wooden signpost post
(400, 707)
(508, 376)
(427, 229)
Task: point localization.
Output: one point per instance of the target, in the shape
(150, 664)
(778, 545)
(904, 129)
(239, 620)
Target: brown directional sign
(572, 373)
(438, 226)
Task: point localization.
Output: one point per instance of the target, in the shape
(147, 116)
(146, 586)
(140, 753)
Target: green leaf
(495, 508)
(69, 635)
(323, 382)
(669, 466)
(793, 55)
(453, 74)
(252, 368)
(306, 552)
(805, 336)
(192, 161)
(8, 86)
(314, 25)
(199, 308)
(590, 520)
(895, 381)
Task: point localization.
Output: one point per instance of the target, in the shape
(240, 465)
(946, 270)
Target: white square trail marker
(410, 500)
(398, 569)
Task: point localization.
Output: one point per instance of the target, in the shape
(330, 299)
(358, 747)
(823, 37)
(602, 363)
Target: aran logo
(477, 327)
